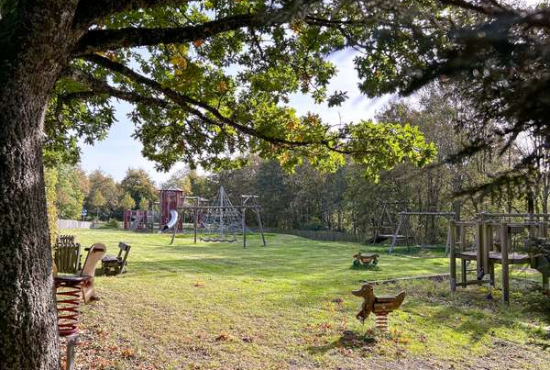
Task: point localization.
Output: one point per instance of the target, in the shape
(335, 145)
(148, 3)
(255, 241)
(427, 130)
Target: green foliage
(72, 187)
(127, 202)
(181, 180)
(97, 201)
(140, 186)
(105, 190)
(388, 145)
(314, 223)
(111, 224)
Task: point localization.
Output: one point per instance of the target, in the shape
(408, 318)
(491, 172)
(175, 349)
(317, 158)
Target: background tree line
(344, 200)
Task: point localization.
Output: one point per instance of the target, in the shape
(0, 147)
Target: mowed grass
(289, 306)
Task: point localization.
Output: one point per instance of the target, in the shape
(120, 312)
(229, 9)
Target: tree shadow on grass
(477, 315)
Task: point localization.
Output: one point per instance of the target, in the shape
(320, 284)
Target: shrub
(111, 224)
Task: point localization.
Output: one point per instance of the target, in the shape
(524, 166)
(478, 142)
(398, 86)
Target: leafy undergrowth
(288, 306)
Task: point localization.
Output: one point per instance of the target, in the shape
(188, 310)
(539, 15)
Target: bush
(111, 224)
(314, 224)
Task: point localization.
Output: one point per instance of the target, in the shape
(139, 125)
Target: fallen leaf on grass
(247, 339)
(223, 337)
(127, 353)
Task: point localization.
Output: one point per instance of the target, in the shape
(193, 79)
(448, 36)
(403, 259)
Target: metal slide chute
(172, 222)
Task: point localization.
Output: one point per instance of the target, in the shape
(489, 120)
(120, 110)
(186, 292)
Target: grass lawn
(288, 306)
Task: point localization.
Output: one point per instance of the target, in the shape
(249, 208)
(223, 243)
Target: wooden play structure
(159, 215)
(138, 220)
(365, 260)
(381, 306)
(170, 199)
(218, 220)
(498, 239)
(114, 265)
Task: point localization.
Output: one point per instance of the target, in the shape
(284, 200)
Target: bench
(114, 265)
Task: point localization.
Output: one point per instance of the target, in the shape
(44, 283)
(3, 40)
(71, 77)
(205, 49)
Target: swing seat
(221, 240)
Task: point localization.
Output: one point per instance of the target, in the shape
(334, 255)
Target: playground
(289, 306)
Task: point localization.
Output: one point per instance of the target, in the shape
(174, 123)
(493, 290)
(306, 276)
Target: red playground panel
(170, 199)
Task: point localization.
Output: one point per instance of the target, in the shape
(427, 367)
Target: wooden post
(479, 251)
(452, 245)
(406, 227)
(195, 225)
(448, 241)
(394, 239)
(505, 269)
(222, 195)
(487, 247)
(492, 274)
(463, 267)
(243, 213)
(257, 211)
(490, 239)
(174, 233)
(71, 343)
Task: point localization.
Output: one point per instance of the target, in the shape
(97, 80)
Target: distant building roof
(171, 189)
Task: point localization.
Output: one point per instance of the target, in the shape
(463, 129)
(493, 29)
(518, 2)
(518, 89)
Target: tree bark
(33, 54)
(28, 330)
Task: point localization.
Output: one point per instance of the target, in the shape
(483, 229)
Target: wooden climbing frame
(491, 246)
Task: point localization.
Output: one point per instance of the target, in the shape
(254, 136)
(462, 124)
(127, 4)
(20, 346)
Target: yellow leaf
(198, 43)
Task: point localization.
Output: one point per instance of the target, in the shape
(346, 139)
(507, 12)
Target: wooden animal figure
(379, 305)
(366, 258)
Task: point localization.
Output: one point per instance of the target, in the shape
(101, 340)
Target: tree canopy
(140, 186)
(211, 80)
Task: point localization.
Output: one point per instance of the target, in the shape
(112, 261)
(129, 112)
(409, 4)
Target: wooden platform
(396, 236)
(515, 258)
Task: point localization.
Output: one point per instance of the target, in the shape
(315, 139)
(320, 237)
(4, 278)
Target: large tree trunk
(28, 331)
(33, 54)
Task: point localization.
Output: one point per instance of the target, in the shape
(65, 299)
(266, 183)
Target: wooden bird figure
(380, 306)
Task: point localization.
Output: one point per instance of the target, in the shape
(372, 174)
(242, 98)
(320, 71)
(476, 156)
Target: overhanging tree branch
(186, 102)
(488, 7)
(492, 8)
(102, 40)
(89, 11)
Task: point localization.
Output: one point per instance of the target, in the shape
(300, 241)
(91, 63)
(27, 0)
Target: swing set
(397, 228)
(384, 228)
(405, 232)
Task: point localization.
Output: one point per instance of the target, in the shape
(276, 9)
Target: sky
(119, 151)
